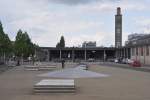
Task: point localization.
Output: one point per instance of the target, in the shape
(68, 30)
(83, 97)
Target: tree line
(21, 47)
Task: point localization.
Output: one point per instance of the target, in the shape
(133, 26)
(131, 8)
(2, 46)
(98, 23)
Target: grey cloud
(76, 2)
(73, 2)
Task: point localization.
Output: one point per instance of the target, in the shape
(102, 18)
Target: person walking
(63, 63)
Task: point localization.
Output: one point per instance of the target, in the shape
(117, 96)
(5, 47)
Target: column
(116, 53)
(124, 53)
(47, 55)
(121, 53)
(85, 55)
(60, 54)
(127, 53)
(144, 53)
(72, 55)
(104, 55)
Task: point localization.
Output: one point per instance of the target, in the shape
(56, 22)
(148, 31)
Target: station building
(137, 48)
(78, 53)
(88, 50)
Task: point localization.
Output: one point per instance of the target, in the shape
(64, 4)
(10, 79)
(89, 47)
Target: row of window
(140, 51)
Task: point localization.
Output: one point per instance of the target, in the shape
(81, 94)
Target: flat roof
(79, 48)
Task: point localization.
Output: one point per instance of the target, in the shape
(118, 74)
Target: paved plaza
(122, 84)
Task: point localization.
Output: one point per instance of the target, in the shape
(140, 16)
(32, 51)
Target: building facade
(118, 28)
(78, 54)
(140, 48)
(89, 44)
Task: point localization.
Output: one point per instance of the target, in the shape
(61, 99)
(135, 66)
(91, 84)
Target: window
(147, 50)
(118, 30)
(141, 51)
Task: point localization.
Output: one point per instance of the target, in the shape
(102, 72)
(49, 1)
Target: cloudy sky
(77, 20)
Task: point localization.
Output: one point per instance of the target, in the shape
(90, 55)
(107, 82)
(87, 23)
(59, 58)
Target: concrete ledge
(55, 86)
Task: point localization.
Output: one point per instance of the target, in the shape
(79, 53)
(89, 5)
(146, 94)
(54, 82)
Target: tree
(18, 45)
(1, 28)
(5, 43)
(23, 45)
(58, 45)
(61, 44)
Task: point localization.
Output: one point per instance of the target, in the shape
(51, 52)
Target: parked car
(11, 63)
(136, 63)
(116, 61)
(110, 60)
(124, 61)
(90, 60)
(129, 61)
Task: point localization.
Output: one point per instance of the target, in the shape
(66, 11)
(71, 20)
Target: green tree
(18, 49)
(58, 45)
(5, 43)
(1, 28)
(61, 44)
(23, 46)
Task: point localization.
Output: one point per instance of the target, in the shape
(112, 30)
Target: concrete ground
(122, 84)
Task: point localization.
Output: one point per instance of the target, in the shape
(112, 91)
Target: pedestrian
(63, 63)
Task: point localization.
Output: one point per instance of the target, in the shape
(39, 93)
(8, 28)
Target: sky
(77, 20)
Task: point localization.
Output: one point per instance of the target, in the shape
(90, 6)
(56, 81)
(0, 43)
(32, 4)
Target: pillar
(121, 53)
(47, 55)
(124, 52)
(60, 54)
(85, 55)
(104, 55)
(72, 55)
(127, 53)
